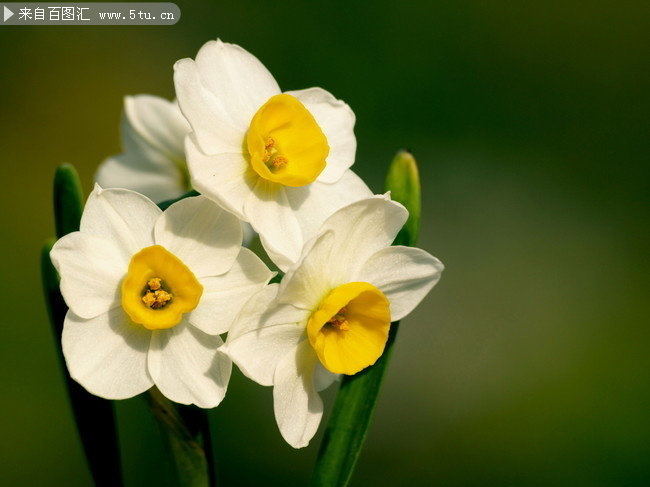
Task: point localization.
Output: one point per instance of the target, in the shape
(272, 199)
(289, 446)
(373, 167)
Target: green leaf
(357, 397)
(94, 416)
(68, 200)
(187, 437)
(350, 420)
(403, 181)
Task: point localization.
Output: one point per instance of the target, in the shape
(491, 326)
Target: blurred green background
(526, 366)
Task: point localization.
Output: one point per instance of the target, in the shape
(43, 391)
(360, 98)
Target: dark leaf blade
(94, 416)
(68, 200)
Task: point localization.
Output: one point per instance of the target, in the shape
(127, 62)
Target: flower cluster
(151, 293)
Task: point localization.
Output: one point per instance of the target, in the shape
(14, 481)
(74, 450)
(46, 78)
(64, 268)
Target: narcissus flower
(277, 160)
(149, 292)
(153, 163)
(332, 312)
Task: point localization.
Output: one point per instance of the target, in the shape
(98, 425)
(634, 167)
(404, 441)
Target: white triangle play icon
(8, 14)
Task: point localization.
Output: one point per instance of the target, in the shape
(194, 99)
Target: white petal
(91, 269)
(263, 333)
(306, 284)
(360, 230)
(139, 142)
(343, 244)
(107, 354)
(121, 216)
(159, 122)
(268, 211)
(323, 378)
(225, 178)
(404, 274)
(201, 234)
(249, 317)
(249, 234)
(186, 368)
(153, 132)
(225, 295)
(336, 120)
(145, 153)
(211, 125)
(129, 171)
(314, 203)
(237, 78)
(298, 407)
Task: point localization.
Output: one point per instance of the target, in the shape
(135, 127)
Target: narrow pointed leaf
(94, 416)
(403, 181)
(68, 200)
(357, 397)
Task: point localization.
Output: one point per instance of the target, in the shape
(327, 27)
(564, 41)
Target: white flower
(153, 163)
(149, 292)
(332, 312)
(278, 161)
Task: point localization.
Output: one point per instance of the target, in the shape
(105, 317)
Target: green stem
(187, 436)
(348, 427)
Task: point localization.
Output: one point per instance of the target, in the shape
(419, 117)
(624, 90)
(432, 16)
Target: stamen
(339, 321)
(149, 299)
(154, 284)
(268, 154)
(155, 297)
(279, 161)
(271, 157)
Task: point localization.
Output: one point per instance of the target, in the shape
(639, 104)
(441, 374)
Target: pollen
(154, 284)
(271, 157)
(279, 161)
(339, 320)
(155, 297)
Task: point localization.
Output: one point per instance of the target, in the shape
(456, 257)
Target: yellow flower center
(158, 289)
(349, 329)
(285, 143)
(339, 320)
